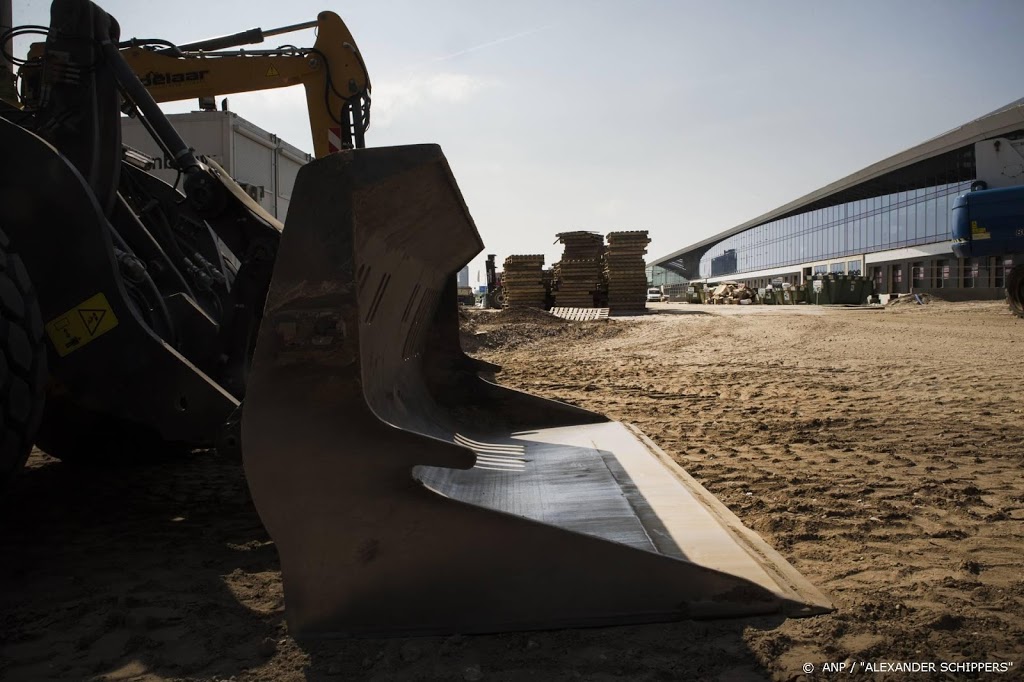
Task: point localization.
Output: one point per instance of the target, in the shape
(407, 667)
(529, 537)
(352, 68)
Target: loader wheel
(1015, 290)
(22, 363)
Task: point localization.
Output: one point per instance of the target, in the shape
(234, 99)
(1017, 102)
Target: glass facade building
(658, 276)
(890, 221)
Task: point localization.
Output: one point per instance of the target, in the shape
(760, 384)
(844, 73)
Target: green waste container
(851, 290)
(816, 290)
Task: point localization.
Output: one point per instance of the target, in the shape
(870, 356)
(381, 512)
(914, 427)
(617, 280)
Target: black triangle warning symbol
(92, 318)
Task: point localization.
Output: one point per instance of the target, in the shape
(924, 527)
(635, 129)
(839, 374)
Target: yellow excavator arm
(333, 73)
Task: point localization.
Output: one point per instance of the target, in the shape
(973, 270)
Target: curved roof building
(889, 221)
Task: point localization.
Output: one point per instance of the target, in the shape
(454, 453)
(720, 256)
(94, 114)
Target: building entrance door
(899, 279)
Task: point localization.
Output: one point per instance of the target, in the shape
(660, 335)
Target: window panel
(922, 218)
(942, 208)
(929, 217)
(911, 224)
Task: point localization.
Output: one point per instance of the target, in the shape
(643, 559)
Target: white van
(654, 295)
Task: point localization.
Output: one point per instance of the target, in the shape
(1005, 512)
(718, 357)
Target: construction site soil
(879, 450)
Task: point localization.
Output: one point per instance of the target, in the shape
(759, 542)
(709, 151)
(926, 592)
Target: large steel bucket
(407, 495)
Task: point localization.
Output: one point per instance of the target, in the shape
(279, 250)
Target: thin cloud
(395, 99)
(492, 43)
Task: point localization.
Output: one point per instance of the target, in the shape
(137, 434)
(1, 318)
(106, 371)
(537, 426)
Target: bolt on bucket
(407, 495)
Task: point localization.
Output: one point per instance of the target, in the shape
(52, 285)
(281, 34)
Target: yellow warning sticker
(271, 72)
(88, 320)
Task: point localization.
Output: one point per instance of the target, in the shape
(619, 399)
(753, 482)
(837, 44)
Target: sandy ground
(880, 451)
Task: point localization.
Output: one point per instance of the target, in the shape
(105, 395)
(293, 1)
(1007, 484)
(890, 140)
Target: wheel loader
(404, 491)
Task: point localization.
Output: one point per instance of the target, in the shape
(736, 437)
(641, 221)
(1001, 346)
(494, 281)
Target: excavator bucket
(408, 495)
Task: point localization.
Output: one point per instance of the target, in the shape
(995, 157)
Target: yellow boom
(332, 72)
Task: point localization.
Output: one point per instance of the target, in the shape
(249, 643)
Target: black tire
(22, 363)
(978, 185)
(1015, 290)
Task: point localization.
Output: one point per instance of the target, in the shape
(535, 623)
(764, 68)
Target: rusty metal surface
(407, 495)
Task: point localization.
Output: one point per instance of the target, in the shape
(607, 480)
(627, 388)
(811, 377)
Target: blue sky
(681, 118)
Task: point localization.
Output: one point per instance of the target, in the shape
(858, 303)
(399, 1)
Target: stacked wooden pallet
(578, 274)
(626, 271)
(523, 281)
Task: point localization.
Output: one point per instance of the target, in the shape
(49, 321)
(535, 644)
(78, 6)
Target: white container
(263, 164)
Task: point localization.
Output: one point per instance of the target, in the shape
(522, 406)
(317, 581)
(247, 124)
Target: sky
(676, 117)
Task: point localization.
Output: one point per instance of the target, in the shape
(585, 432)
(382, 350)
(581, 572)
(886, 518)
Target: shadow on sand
(165, 571)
